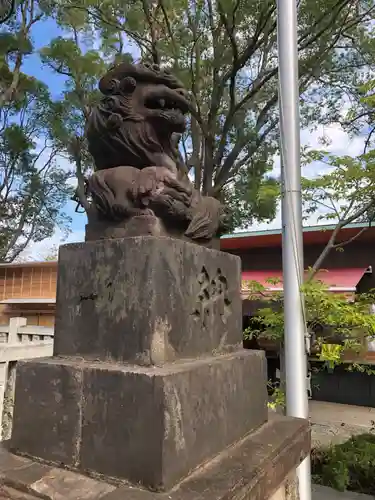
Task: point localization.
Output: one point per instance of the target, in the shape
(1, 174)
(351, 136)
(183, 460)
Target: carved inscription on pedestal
(213, 297)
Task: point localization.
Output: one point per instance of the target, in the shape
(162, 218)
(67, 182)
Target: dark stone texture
(141, 225)
(9, 493)
(146, 300)
(252, 469)
(143, 424)
(47, 411)
(28, 474)
(133, 136)
(123, 425)
(9, 461)
(25, 476)
(65, 485)
(130, 125)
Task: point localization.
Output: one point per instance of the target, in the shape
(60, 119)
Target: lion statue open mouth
(132, 137)
(142, 109)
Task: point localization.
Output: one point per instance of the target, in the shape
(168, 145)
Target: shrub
(347, 466)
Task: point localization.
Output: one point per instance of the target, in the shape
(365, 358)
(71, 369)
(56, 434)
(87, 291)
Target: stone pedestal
(146, 425)
(147, 301)
(148, 381)
(256, 468)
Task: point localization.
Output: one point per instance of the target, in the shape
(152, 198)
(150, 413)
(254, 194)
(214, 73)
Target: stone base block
(147, 300)
(255, 468)
(142, 225)
(151, 426)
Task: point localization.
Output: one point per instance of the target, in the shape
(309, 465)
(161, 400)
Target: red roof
(311, 235)
(338, 280)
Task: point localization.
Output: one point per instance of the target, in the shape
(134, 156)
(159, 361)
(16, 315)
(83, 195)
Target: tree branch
(154, 44)
(81, 189)
(332, 241)
(350, 240)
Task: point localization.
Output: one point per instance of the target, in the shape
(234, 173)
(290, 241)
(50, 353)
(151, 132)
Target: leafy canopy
(225, 52)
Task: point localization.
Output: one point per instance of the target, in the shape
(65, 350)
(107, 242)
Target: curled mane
(117, 136)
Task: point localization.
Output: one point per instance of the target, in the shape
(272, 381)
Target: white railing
(18, 342)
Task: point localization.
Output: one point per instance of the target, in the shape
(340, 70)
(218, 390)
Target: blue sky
(43, 33)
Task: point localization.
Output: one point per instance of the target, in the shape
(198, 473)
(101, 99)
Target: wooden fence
(18, 342)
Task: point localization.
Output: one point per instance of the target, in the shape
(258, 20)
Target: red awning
(338, 280)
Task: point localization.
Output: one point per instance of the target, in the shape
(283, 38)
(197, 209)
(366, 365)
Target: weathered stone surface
(142, 424)
(133, 136)
(9, 493)
(11, 462)
(46, 420)
(27, 475)
(252, 469)
(147, 300)
(141, 225)
(292, 488)
(59, 484)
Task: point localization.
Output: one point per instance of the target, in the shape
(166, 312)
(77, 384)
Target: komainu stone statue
(149, 394)
(137, 188)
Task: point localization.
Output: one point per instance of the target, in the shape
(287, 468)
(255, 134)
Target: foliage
(15, 46)
(330, 317)
(226, 54)
(345, 189)
(33, 188)
(347, 466)
(53, 254)
(278, 399)
(361, 116)
(343, 193)
(68, 114)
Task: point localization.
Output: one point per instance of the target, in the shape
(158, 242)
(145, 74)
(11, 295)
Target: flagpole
(292, 249)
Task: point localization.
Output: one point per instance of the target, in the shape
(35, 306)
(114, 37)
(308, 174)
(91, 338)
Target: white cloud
(339, 143)
(42, 249)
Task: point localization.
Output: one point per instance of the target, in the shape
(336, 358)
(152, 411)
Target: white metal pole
(294, 340)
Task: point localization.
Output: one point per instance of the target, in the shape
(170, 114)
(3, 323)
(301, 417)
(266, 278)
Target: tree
(322, 309)
(15, 46)
(345, 191)
(68, 115)
(337, 325)
(52, 255)
(225, 53)
(361, 116)
(33, 189)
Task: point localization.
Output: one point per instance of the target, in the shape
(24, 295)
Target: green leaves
(331, 316)
(226, 54)
(347, 466)
(67, 58)
(33, 188)
(344, 191)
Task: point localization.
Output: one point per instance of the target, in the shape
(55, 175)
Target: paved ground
(333, 423)
(323, 493)
(333, 412)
